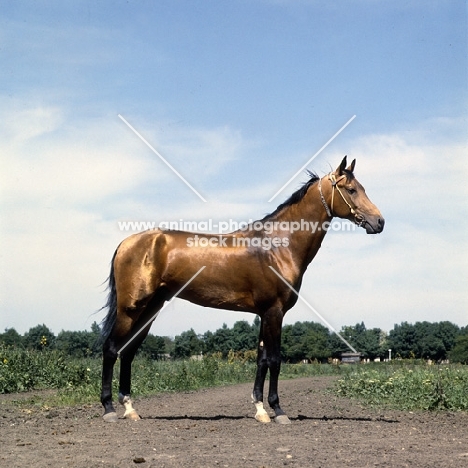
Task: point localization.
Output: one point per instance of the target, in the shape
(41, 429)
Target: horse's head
(347, 199)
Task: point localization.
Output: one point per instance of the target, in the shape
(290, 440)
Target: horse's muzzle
(375, 227)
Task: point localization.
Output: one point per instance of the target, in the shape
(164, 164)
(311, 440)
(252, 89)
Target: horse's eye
(351, 191)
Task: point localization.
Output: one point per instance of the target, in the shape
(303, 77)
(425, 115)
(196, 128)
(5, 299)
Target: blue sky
(237, 95)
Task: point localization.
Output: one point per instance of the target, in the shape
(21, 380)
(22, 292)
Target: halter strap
(358, 219)
(334, 183)
(329, 213)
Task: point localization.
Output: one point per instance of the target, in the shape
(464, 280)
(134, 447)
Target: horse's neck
(311, 217)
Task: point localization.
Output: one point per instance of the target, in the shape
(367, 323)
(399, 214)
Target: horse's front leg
(272, 326)
(269, 358)
(273, 398)
(257, 395)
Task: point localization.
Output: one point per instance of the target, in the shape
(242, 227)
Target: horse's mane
(297, 196)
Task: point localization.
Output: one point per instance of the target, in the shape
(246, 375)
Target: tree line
(301, 341)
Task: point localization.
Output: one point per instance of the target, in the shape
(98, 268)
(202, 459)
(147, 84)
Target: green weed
(413, 387)
(78, 380)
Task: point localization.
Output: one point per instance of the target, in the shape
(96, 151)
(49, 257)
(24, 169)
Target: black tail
(109, 321)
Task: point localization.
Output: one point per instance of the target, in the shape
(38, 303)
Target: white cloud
(22, 125)
(203, 151)
(416, 269)
(64, 186)
(53, 161)
(66, 183)
(404, 274)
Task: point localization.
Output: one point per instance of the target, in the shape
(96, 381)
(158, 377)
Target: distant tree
(337, 346)
(305, 340)
(354, 335)
(222, 340)
(292, 345)
(187, 344)
(154, 347)
(424, 340)
(39, 337)
(426, 344)
(447, 332)
(75, 343)
(316, 342)
(209, 342)
(79, 343)
(244, 336)
(95, 343)
(459, 352)
(383, 342)
(169, 345)
(256, 325)
(402, 340)
(11, 338)
(435, 340)
(369, 343)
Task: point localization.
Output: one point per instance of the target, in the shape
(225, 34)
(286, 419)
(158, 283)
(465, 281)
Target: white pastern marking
(130, 412)
(261, 415)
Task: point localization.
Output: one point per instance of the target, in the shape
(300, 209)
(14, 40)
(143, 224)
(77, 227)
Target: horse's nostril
(381, 222)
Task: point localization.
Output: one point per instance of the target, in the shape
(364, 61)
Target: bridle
(358, 219)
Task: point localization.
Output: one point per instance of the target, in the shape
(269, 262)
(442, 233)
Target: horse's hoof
(263, 418)
(282, 419)
(132, 415)
(110, 417)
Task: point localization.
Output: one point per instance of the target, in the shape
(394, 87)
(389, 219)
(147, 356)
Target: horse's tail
(109, 320)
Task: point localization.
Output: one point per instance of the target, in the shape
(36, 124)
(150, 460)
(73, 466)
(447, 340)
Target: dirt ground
(216, 428)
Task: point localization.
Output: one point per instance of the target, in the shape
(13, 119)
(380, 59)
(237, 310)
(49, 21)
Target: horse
(258, 269)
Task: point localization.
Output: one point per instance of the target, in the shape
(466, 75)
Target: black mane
(297, 196)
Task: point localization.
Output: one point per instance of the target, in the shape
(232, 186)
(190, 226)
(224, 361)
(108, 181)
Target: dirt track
(215, 428)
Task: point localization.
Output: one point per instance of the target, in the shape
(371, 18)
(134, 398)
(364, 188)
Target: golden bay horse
(244, 270)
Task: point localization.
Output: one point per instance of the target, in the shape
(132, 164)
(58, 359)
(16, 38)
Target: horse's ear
(342, 167)
(351, 166)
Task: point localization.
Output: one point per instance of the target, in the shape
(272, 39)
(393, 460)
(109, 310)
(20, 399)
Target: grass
(78, 381)
(24, 370)
(408, 386)
(405, 385)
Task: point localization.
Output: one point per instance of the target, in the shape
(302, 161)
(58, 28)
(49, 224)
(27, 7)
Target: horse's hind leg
(108, 361)
(126, 359)
(124, 340)
(134, 293)
(111, 350)
(133, 341)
